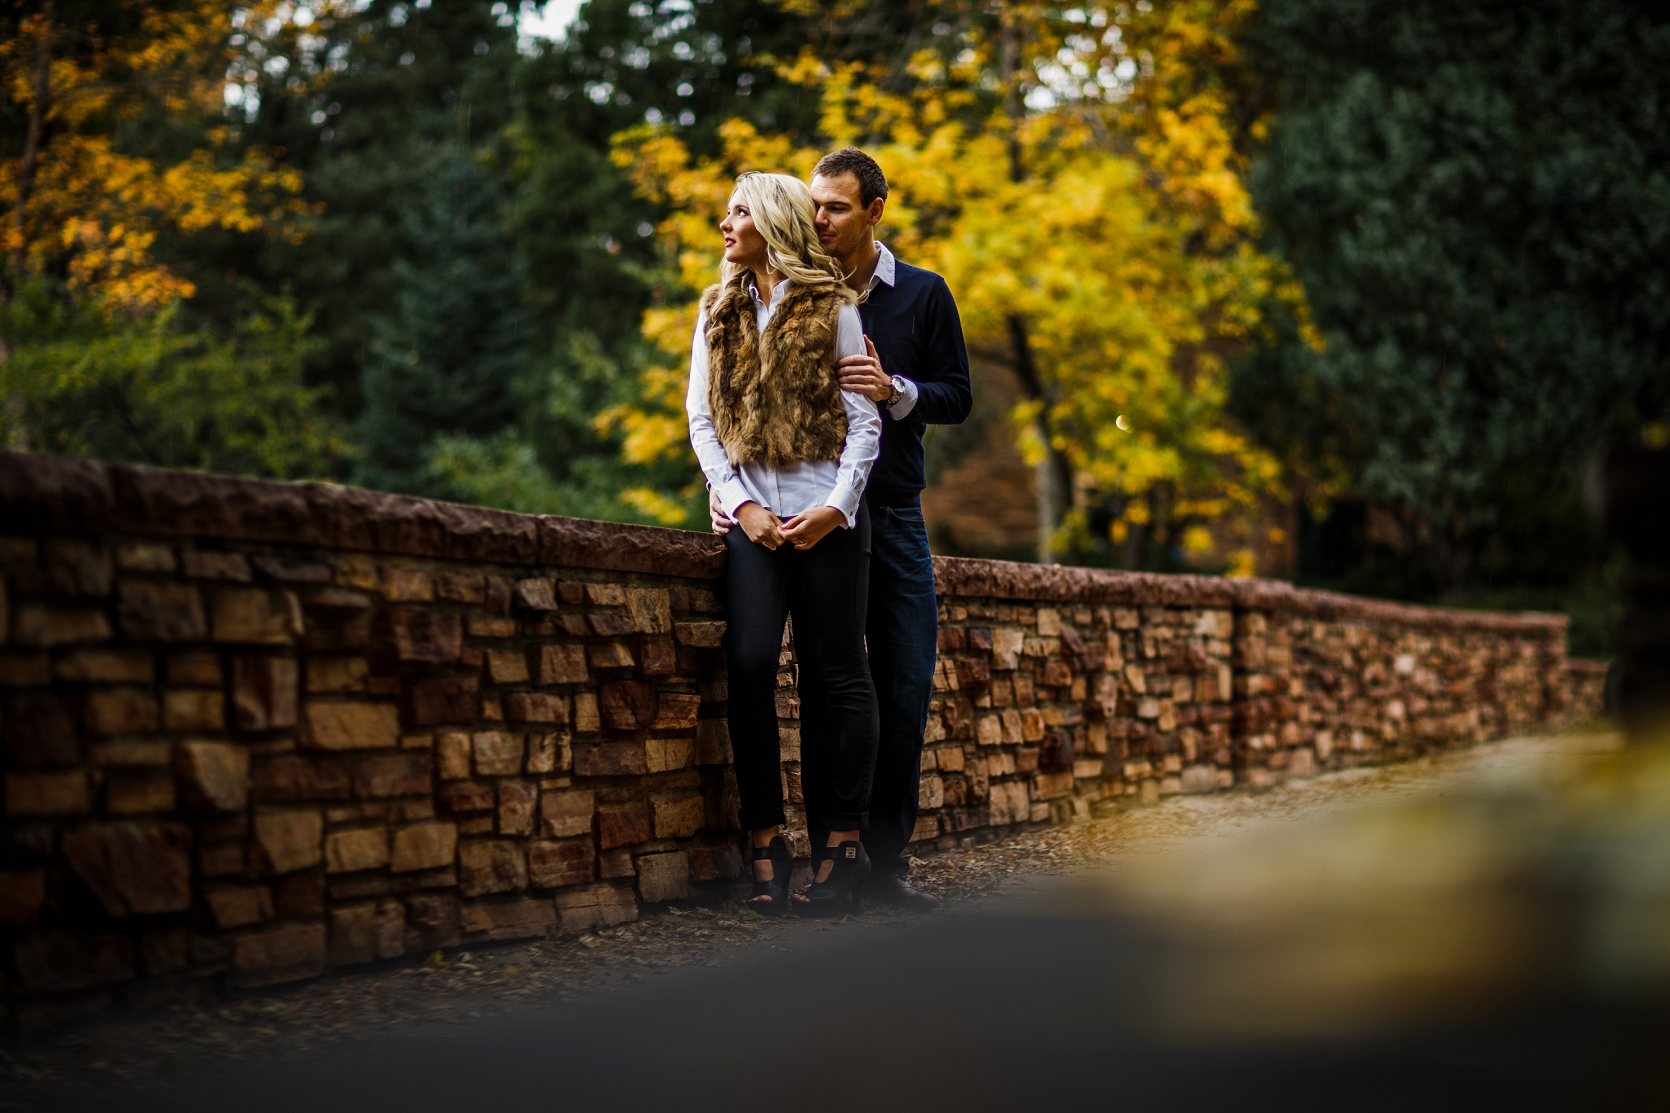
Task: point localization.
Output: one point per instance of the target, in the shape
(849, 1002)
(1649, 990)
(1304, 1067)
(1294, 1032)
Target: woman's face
(744, 245)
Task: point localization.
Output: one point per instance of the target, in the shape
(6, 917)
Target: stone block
(676, 711)
(622, 825)
(663, 877)
(1008, 802)
(679, 817)
(705, 635)
(626, 705)
(610, 625)
(566, 813)
(1052, 786)
(121, 711)
(443, 700)
(596, 906)
(213, 776)
(290, 841)
(134, 869)
(452, 751)
(712, 863)
(664, 755)
(22, 670)
(535, 595)
(264, 692)
(507, 666)
(586, 717)
(355, 725)
(611, 655)
(138, 792)
(552, 865)
(535, 707)
(408, 585)
(404, 636)
(240, 905)
(58, 961)
(516, 807)
(610, 759)
(282, 954)
(353, 934)
(460, 588)
(424, 846)
(54, 626)
(356, 849)
(1032, 725)
(40, 731)
(200, 565)
(407, 773)
(46, 795)
(988, 730)
(490, 866)
(562, 664)
(460, 797)
(930, 792)
(658, 658)
(193, 709)
(651, 609)
(498, 753)
(1007, 644)
(549, 752)
(144, 556)
(528, 918)
(22, 893)
(194, 670)
(107, 666)
(253, 616)
(1199, 778)
(431, 922)
(287, 777)
(491, 627)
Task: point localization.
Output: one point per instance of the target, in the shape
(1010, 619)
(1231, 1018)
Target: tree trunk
(30, 160)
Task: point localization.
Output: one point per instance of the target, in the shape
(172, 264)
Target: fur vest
(775, 397)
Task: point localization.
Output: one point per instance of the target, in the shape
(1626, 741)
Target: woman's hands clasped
(764, 528)
(806, 529)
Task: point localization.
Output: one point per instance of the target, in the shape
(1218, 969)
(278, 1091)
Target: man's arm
(944, 396)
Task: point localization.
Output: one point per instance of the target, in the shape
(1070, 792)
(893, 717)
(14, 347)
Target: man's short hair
(872, 183)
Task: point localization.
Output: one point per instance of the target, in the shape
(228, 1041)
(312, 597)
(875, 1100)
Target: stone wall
(254, 731)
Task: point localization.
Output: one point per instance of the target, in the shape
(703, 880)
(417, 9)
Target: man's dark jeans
(902, 633)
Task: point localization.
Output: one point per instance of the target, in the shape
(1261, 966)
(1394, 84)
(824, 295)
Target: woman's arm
(722, 477)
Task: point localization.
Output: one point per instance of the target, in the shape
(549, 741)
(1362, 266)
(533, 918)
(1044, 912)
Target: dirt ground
(478, 982)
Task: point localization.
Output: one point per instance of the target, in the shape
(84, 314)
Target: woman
(788, 453)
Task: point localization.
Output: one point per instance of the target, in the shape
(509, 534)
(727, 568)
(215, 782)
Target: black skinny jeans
(824, 589)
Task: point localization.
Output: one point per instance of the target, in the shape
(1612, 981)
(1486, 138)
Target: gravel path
(469, 985)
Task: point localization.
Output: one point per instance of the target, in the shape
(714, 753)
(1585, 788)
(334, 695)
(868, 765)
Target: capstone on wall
(256, 731)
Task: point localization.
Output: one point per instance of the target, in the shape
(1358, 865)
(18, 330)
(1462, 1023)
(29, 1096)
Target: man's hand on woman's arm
(721, 521)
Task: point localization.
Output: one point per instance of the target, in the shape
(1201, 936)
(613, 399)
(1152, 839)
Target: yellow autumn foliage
(78, 207)
(1108, 222)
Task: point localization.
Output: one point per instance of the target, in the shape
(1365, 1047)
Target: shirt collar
(884, 266)
(777, 291)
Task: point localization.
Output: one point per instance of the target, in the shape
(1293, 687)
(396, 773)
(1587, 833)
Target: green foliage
(81, 382)
(1474, 197)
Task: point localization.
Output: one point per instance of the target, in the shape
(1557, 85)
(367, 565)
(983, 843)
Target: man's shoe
(890, 889)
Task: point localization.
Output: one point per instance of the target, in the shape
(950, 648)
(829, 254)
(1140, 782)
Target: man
(917, 373)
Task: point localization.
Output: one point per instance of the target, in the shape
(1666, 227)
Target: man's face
(842, 219)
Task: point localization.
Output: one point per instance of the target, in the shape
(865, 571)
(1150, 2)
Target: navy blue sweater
(917, 334)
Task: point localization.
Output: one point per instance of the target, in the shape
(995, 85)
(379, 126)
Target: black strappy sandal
(777, 888)
(842, 892)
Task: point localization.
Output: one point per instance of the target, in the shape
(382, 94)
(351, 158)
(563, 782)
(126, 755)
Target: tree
(1106, 252)
(1473, 195)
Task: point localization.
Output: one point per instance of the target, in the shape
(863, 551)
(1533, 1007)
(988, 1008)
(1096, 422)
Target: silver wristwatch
(898, 391)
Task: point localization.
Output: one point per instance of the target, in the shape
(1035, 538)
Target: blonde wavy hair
(783, 213)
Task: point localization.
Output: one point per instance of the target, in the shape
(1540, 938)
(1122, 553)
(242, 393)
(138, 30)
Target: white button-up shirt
(794, 488)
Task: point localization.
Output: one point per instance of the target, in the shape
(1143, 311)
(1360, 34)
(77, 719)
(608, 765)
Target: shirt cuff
(903, 406)
(846, 500)
(732, 494)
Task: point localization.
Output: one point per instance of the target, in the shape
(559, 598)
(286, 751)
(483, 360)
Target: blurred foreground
(1497, 939)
